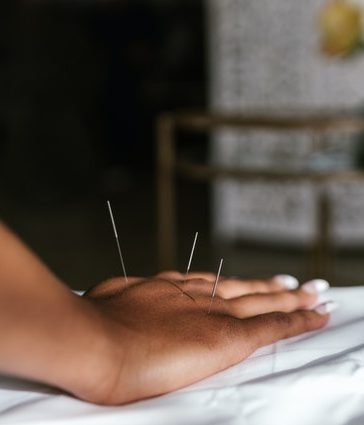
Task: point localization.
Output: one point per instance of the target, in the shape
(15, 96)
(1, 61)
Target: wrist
(92, 358)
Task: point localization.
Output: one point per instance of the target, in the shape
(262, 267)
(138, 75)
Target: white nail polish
(286, 280)
(326, 307)
(316, 286)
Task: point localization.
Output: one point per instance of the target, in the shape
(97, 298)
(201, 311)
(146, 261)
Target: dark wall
(81, 84)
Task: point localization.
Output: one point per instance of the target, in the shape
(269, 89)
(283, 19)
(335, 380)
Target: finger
(272, 327)
(112, 285)
(202, 283)
(198, 287)
(229, 288)
(171, 275)
(233, 287)
(180, 277)
(287, 301)
(202, 275)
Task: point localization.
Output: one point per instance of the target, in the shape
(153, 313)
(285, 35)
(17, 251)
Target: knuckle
(197, 283)
(209, 276)
(282, 319)
(306, 319)
(164, 274)
(198, 280)
(227, 329)
(202, 275)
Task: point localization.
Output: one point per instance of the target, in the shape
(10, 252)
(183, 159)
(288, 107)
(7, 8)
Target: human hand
(163, 338)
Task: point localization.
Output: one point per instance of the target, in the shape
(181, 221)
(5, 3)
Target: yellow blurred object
(340, 25)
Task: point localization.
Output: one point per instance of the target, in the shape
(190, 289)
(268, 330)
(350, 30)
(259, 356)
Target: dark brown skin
(168, 340)
(121, 343)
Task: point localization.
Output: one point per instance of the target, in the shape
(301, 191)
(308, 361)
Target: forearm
(47, 333)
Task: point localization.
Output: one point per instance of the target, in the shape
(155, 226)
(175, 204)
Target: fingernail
(316, 286)
(326, 307)
(286, 280)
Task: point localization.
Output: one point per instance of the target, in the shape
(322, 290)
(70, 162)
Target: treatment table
(315, 378)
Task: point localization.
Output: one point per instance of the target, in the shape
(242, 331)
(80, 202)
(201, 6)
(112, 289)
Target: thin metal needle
(191, 255)
(215, 284)
(117, 241)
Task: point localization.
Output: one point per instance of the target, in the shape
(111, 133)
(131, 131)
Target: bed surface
(316, 378)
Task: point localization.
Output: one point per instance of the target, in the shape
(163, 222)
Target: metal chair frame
(169, 166)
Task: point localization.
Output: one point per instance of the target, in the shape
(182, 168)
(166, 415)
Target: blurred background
(82, 85)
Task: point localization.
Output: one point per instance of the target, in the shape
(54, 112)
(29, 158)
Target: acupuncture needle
(117, 241)
(215, 285)
(191, 255)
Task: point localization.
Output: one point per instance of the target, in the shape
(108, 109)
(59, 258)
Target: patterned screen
(264, 55)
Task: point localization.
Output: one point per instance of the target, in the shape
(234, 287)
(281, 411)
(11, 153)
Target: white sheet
(317, 378)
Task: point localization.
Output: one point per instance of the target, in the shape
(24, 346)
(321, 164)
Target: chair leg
(166, 209)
